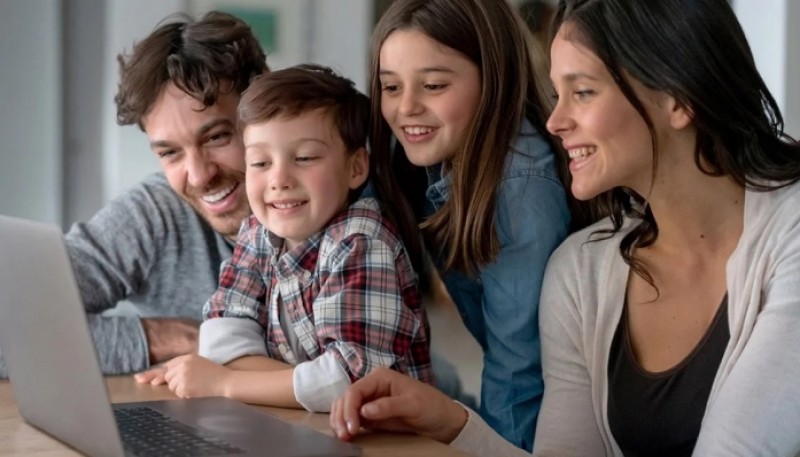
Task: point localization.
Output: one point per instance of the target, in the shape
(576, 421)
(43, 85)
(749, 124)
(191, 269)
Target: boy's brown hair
(199, 57)
(302, 88)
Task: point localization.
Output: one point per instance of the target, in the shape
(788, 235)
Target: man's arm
(113, 256)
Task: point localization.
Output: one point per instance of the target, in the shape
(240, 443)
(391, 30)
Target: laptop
(56, 378)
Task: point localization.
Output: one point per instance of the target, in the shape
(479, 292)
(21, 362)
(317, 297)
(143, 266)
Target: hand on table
(390, 401)
(189, 376)
(169, 337)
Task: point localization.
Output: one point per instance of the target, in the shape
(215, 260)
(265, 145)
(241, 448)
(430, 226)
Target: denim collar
(438, 185)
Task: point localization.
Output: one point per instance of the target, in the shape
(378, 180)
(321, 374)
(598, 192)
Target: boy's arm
(362, 321)
(194, 376)
(235, 315)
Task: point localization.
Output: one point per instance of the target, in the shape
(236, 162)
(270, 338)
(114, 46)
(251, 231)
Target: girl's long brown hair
(491, 35)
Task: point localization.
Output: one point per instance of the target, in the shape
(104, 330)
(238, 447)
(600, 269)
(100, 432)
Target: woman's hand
(388, 400)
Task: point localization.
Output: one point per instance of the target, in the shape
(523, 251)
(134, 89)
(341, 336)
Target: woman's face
(429, 95)
(608, 142)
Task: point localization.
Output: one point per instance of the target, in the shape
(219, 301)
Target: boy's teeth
(417, 130)
(286, 205)
(219, 195)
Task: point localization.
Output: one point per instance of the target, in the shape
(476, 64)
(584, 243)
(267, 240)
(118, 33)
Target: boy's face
(299, 173)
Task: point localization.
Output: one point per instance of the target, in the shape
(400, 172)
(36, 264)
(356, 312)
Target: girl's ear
(359, 168)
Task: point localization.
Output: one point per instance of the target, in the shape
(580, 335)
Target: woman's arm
(756, 410)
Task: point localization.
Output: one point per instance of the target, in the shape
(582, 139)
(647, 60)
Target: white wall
(31, 113)
(771, 29)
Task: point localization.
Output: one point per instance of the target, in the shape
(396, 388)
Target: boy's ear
(359, 168)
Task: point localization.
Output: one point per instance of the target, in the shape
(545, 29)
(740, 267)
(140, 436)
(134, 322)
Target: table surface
(17, 438)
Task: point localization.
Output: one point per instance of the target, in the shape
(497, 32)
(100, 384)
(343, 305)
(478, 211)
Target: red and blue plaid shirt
(349, 290)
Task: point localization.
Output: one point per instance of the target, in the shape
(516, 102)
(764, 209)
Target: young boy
(320, 289)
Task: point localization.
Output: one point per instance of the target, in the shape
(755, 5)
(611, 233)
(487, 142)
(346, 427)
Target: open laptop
(53, 368)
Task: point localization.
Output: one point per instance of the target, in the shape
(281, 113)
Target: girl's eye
(258, 164)
(435, 86)
(584, 94)
(306, 159)
(390, 88)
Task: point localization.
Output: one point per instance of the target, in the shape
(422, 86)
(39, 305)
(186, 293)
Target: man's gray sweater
(152, 249)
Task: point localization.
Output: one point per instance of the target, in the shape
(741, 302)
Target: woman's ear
(359, 168)
(680, 115)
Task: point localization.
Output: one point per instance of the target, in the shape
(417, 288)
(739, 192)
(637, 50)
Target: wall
(30, 118)
(776, 47)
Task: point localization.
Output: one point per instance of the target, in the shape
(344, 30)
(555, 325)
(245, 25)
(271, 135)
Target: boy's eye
(258, 164)
(306, 159)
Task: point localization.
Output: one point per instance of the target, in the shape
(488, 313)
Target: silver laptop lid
(44, 333)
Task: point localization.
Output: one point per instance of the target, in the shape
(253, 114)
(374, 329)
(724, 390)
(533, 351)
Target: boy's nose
(280, 177)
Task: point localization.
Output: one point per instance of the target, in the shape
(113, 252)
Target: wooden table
(20, 439)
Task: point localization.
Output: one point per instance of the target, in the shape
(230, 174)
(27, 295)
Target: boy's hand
(194, 376)
(154, 376)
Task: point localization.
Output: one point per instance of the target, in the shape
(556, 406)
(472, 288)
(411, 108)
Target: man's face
(201, 154)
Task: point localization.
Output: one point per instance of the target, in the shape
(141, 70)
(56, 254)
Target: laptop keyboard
(147, 432)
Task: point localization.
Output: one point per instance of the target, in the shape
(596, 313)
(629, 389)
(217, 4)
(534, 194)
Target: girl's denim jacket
(500, 305)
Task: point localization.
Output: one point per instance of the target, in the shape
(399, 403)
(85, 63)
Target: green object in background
(263, 21)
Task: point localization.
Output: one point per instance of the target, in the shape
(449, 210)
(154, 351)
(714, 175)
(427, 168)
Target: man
(159, 246)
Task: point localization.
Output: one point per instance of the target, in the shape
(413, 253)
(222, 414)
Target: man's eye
(218, 138)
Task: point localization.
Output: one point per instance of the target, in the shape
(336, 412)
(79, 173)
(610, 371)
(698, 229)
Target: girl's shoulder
(530, 155)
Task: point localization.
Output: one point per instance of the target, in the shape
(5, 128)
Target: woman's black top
(659, 414)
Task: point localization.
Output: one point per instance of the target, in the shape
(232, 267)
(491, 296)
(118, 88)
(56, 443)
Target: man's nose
(200, 169)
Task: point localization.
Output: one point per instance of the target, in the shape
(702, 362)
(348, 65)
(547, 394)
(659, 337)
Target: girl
(669, 328)
(455, 85)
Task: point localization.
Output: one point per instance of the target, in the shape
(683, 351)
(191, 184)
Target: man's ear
(359, 167)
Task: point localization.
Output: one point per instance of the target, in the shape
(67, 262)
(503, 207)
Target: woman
(669, 328)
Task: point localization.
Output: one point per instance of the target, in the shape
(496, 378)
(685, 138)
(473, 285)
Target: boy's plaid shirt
(350, 289)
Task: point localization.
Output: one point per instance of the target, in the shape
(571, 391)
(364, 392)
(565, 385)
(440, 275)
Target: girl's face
(608, 141)
(429, 95)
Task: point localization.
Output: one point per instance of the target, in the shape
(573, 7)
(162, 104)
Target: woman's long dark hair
(695, 51)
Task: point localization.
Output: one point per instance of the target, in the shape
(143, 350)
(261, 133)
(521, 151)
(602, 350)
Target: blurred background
(62, 155)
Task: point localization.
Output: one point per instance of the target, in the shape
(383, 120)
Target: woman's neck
(697, 213)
